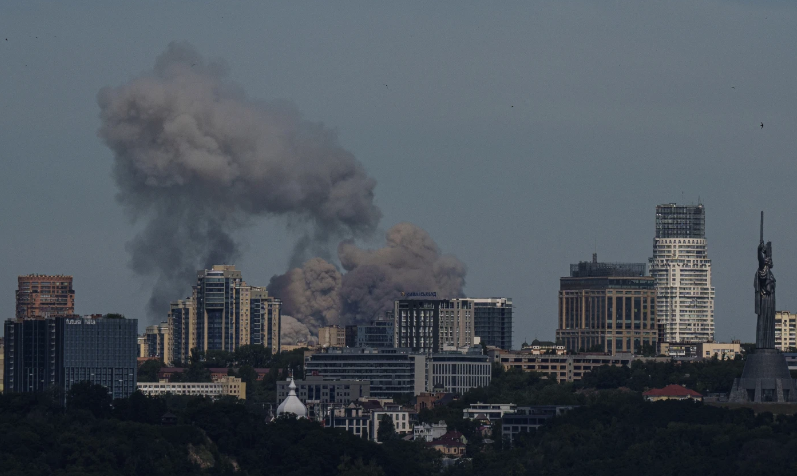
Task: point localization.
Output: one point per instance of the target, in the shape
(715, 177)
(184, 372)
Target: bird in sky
(762, 125)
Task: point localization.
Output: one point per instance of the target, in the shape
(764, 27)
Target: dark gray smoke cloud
(317, 294)
(196, 160)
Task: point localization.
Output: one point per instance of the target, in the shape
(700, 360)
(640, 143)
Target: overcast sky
(520, 136)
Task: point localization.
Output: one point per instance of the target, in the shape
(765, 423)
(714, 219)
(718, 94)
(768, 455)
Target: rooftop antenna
(762, 226)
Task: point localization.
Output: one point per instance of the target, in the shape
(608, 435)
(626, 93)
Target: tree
(148, 372)
(386, 429)
(89, 396)
(253, 355)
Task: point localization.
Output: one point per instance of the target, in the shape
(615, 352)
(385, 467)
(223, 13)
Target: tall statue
(765, 295)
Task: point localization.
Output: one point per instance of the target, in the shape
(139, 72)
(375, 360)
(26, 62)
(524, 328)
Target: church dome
(292, 404)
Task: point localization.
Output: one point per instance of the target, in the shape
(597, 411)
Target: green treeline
(39, 437)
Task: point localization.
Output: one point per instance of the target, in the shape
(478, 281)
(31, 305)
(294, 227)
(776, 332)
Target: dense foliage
(39, 437)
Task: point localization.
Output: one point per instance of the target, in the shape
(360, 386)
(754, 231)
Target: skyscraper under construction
(682, 270)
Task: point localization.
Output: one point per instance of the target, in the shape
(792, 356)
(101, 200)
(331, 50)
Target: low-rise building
(402, 420)
(538, 347)
(429, 431)
(456, 372)
(526, 419)
(672, 392)
(429, 400)
(332, 336)
(317, 389)
(353, 418)
(488, 411)
(722, 350)
(453, 443)
(390, 371)
(565, 368)
(225, 386)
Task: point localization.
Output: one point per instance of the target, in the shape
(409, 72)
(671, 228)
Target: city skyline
(557, 166)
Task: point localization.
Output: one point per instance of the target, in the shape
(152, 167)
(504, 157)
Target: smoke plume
(317, 294)
(293, 331)
(196, 161)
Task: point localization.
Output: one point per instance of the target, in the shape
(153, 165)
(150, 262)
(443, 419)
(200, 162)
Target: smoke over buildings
(195, 161)
(318, 295)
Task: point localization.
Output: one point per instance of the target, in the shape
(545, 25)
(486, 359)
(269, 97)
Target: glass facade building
(492, 318)
(62, 351)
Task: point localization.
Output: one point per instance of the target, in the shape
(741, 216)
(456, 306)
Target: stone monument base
(765, 379)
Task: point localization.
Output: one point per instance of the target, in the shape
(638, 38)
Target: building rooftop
(672, 391)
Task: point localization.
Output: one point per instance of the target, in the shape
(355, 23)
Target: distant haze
(516, 138)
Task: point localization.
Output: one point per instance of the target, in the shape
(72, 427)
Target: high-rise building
(40, 295)
(157, 342)
(492, 318)
(61, 351)
(682, 270)
(433, 325)
(182, 329)
(610, 307)
(785, 331)
(223, 313)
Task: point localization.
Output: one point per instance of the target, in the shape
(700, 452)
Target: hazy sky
(519, 135)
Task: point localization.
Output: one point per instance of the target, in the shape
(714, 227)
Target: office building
(224, 313)
(682, 270)
(492, 319)
(454, 372)
(378, 334)
(156, 343)
(390, 371)
(40, 295)
(332, 336)
(785, 331)
(607, 307)
(61, 351)
(317, 389)
(432, 325)
(224, 386)
(565, 368)
(528, 419)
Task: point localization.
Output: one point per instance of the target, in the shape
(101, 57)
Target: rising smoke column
(410, 261)
(196, 161)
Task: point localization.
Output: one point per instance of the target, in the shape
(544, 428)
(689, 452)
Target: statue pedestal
(765, 379)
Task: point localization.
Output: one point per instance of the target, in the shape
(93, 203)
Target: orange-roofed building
(672, 392)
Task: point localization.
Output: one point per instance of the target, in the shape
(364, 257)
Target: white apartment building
(785, 330)
(682, 270)
(231, 386)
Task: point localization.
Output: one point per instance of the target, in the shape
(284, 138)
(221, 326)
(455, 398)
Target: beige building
(332, 336)
(607, 307)
(785, 331)
(722, 350)
(182, 329)
(156, 342)
(566, 368)
(225, 386)
(40, 295)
